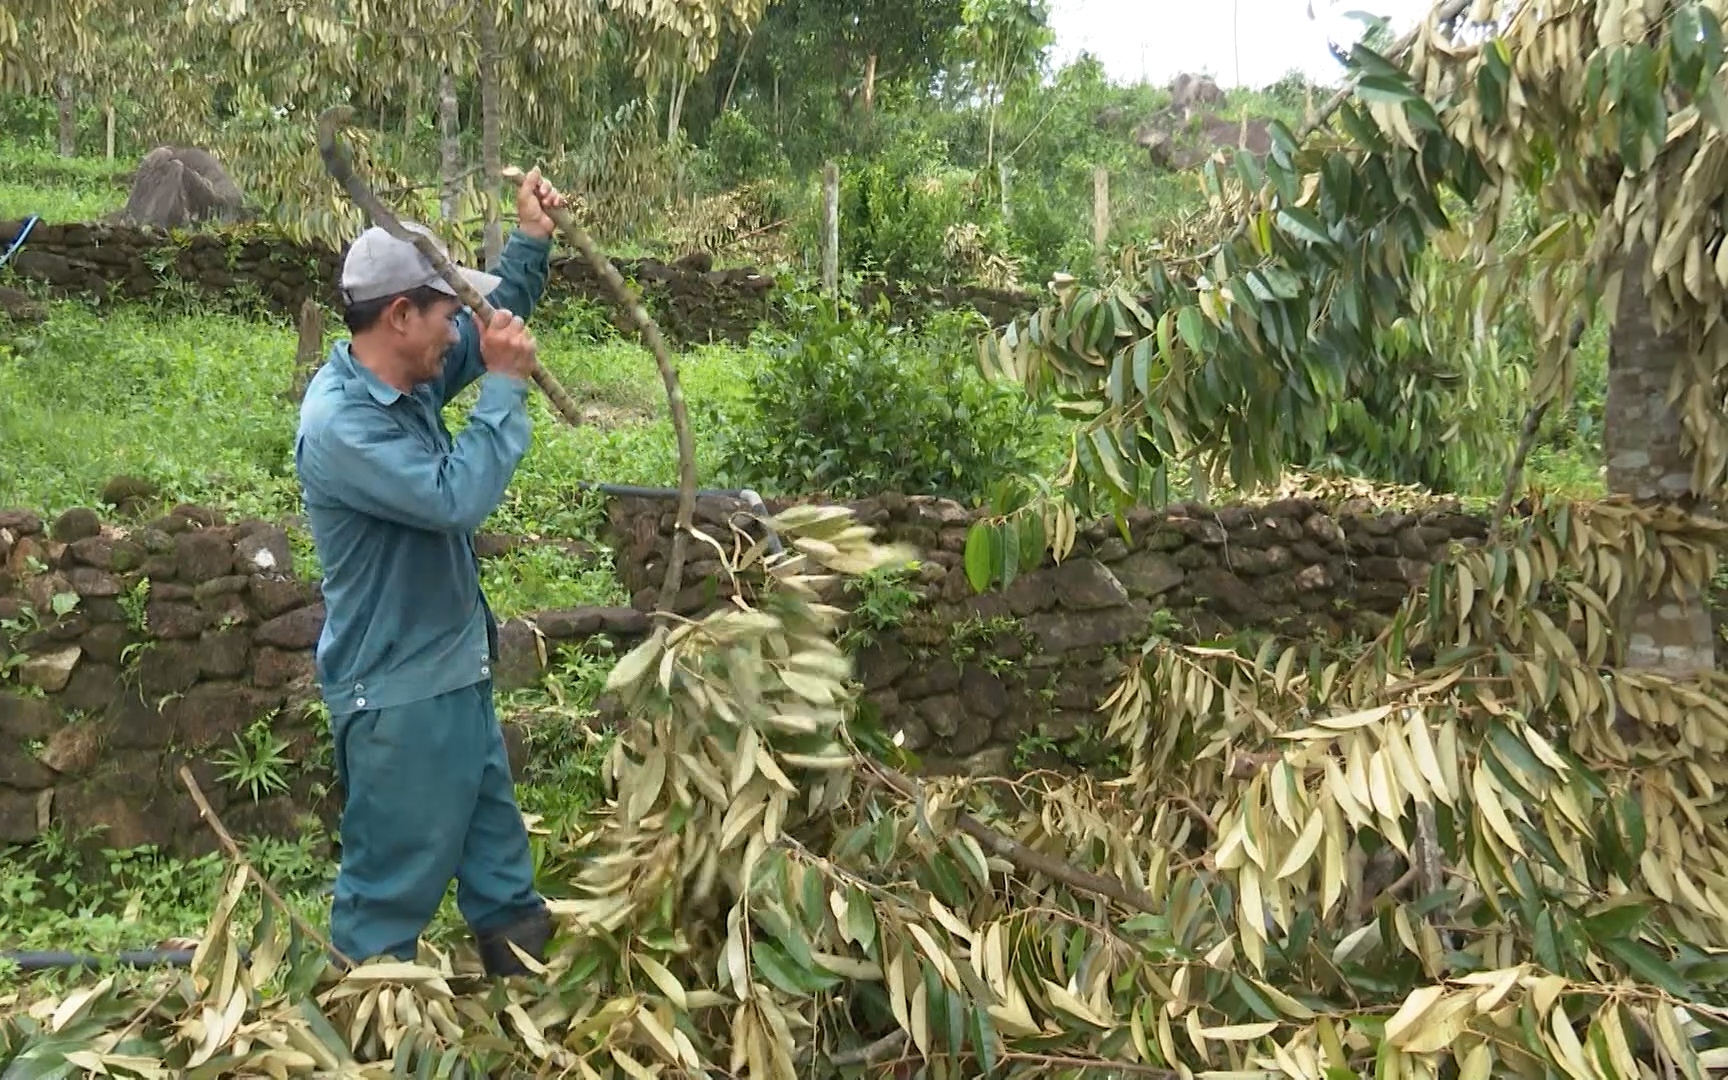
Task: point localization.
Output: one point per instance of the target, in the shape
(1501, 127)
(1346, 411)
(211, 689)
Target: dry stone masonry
(133, 647)
(693, 302)
(974, 682)
(132, 643)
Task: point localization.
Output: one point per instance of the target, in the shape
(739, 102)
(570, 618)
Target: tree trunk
(309, 349)
(870, 83)
(1647, 461)
(491, 144)
(990, 135)
(675, 109)
(68, 109)
(449, 143)
(732, 83)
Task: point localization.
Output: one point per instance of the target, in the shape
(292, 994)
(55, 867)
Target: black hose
(45, 961)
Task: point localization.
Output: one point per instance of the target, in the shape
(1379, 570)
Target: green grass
(196, 402)
(35, 181)
(58, 894)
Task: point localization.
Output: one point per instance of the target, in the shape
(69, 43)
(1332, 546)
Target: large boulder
(1192, 93)
(19, 307)
(176, 186)
(1189, 130)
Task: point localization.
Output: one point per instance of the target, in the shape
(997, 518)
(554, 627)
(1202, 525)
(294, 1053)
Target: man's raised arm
(524, 267)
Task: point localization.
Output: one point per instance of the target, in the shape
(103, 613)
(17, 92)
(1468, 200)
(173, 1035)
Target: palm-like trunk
(67, 106)
(1646, 460)
(491, 143)
(449, 143)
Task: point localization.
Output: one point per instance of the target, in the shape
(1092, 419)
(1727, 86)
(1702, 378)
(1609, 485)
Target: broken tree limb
(627, 299)
(1024, 858)
(339, 165)
(226, 839)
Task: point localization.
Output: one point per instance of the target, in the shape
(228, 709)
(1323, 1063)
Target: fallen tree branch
(224, 838)
(341, 166)
(627, 299)
(1024, 858)
(1445, 13)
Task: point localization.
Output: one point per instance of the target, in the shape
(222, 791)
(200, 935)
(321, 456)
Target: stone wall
(133, 647)
(692, 302)
(975, 681)
(187, 630)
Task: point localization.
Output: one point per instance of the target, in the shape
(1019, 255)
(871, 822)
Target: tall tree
(1002, 43)
(1244, 352)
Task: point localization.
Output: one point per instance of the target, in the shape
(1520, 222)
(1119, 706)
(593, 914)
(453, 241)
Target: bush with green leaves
(895, 211)
(851, 406)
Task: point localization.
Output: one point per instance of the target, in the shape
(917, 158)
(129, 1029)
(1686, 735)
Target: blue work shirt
(393, 503)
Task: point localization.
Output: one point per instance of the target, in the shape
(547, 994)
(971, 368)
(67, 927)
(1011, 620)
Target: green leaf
(1192, 325)
(1111, 463)
(983, 1040)
(1254, 999)
(779, 969)
(980, 555)
(1615, 920)
(1386, 90)
(1006, 545)
(1143, 355)
(860, 918)
(1648, 966)
(1302, 224)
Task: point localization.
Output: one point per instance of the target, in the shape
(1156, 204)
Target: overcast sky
(1157, 39)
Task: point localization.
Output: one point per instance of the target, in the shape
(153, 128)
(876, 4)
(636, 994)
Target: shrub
(849, 406)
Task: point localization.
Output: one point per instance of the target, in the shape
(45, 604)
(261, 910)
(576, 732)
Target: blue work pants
(428, 798)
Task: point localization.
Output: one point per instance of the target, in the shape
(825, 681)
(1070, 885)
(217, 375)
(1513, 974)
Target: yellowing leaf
(1303, 849)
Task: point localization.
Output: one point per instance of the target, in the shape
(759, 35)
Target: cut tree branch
(1023, 857)
(627, 299)
(338, 163)
(1445, 13)
(226, 839)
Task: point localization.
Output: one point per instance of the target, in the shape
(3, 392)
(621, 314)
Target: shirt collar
(382, 392)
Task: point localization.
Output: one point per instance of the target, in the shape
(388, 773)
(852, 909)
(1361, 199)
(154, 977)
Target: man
(405, 658)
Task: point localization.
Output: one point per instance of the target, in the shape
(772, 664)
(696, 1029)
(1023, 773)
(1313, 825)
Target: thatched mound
(179, 186)
(1190, 129)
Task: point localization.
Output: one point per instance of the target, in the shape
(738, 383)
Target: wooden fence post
(1100, 209)
(831, 229)
(309, 349)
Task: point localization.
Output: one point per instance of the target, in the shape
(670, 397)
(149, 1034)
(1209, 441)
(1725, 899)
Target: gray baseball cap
(379, 265)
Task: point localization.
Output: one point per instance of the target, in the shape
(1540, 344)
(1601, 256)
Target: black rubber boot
(529, 933)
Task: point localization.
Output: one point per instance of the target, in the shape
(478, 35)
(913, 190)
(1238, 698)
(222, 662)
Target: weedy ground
(195, 399)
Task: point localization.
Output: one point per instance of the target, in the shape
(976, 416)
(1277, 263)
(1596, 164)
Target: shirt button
(360, 702)
(485, 670)
(359, 688)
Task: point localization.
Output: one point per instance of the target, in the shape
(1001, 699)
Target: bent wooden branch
(226, 839)
(1024, 858)
(339, 165)
(627, 299)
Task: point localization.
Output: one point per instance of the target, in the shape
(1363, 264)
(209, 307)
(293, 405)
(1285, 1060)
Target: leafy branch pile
(1469, 848)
